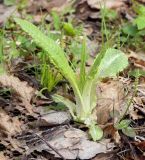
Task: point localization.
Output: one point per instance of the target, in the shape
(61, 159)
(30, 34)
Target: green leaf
(140, 22)
(69, 29)
(54, 51)
(9, 2)
(123, 124)
(51, 47)
(137, 73)
(108, 64)
(113, 62)
(71, 106)
(139, 9)
(96, 132)
(2, 69)
(110, 13)
(130, 29)
(83, 66)
(129, 132)
(56, 20)
(89, 96)
(141, 33)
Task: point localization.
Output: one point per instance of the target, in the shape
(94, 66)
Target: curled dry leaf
(110, 97)
(97, 4)
(26, 92)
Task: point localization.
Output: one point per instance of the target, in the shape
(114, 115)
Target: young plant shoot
(106, 64)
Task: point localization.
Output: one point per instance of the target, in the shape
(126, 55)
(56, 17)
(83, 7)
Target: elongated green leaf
(56, 20)
(89, 96)
(55, 53)
(71, 106)
(94, 67)
(140, 22)
(123, 124)
(53, 49)
(129, 132)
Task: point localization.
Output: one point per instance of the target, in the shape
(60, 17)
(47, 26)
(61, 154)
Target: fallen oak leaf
(22, 88)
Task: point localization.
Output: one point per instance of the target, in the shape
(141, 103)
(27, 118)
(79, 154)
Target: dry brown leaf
(110, 131)
(103, 156)
(110, 96)
(53, 118)
(2, 157)
(97, 4)
(71, 143)
(141, 109)
(26, 92)
(8, 125)
(117, 137)
(143, 1)
(134, 114)
(5, 13)
(137, 59)
(141, 145)
(57, 5)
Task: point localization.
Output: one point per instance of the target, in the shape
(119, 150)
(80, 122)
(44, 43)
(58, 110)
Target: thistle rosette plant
(106, 64)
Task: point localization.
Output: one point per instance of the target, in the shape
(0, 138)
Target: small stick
(50, 146)
(131, 147)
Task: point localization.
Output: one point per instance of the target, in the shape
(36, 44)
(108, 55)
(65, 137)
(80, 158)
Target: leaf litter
(26, 92)
(27, 129)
